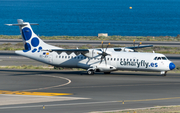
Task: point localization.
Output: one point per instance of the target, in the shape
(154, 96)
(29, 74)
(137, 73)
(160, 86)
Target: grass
(12, 47)
(26, 67)
(114, 38)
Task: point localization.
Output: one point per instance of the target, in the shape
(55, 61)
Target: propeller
(104, 54)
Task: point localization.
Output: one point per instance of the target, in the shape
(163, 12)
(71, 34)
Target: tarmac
(84, 93)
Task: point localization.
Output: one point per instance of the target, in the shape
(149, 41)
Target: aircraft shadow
(22, 72)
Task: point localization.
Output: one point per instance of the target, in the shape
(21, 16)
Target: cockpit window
(159, 58)
(163, 58)
(155, 58)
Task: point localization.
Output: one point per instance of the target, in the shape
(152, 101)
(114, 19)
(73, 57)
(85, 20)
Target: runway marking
(33, 93)
(69, 81)
(88, 103)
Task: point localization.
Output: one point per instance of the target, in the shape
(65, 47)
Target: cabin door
(50, 58)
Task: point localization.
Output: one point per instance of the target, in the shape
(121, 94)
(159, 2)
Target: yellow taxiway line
(33, 93)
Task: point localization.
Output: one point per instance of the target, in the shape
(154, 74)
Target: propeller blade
(107, 46)
(105, 61)
(102, 46)
(134, 43)
(101, 60)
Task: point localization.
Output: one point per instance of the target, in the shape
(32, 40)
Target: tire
(90, 72)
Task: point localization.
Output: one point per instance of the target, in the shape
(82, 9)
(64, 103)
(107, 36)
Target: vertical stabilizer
(31, 41)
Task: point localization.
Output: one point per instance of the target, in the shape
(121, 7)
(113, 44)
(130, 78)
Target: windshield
(160, 58)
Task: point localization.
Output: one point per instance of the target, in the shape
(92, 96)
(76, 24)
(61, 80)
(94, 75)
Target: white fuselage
(115, 61)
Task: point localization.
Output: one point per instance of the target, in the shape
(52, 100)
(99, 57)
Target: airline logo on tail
(31, 43)
(31, 40)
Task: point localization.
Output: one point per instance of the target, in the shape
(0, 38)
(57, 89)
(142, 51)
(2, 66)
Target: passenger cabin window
(114, 59)
(117, 59)
(59, 56)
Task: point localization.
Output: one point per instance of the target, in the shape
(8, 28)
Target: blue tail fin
(31, 41)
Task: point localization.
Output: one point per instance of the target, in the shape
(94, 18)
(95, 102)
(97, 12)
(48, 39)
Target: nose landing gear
(163, 73)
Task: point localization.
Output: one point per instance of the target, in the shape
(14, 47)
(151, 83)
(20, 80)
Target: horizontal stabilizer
(23, 24)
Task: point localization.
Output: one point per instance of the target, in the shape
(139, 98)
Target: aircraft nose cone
(171, 66)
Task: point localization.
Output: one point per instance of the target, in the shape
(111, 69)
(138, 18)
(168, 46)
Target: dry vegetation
(115, 38)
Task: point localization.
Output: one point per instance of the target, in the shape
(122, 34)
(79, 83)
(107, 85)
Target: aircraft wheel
(165, 73)
(90, 72)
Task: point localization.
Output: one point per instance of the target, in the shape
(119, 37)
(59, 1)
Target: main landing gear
(90, 72)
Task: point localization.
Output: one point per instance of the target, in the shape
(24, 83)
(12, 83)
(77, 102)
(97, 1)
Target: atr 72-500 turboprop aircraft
(94, 60)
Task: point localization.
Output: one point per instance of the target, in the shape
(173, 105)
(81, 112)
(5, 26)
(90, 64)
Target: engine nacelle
(127, 50)
(92, 53)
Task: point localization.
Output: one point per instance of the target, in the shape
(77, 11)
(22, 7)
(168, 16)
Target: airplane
(93, 60)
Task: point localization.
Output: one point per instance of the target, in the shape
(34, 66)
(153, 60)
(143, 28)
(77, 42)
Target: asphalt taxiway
(84, 93)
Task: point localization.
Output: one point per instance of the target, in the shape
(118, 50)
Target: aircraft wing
(136, 47)
(133, 47)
